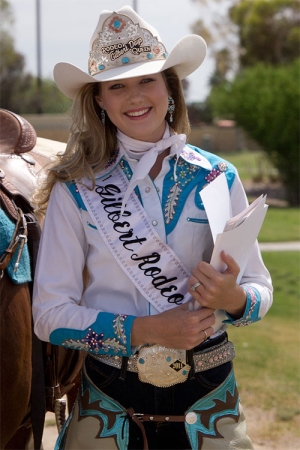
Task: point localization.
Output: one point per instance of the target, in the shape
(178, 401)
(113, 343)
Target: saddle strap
(19, 239)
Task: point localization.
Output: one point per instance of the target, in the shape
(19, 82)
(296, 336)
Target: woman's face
(137, 106)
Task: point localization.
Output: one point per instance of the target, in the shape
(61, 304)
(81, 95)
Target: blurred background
(243, 104)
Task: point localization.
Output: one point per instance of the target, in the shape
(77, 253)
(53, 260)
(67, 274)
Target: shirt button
(154, 223)
(147, 189)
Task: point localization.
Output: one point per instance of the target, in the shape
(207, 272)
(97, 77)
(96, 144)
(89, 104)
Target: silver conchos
(191, 418)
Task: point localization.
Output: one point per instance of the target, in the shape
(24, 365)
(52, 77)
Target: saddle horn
(17, 135)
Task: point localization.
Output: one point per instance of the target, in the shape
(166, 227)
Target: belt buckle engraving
(162, 366)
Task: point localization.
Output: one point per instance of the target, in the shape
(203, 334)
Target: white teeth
(138, 113)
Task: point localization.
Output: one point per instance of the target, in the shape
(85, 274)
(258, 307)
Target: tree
(263, 95)
(220, 34)
(244, 32)
(12, 77)
(265, 101)
(268, 30)
(19, 91)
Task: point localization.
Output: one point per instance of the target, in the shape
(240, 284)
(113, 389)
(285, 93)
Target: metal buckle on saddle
(162, 366)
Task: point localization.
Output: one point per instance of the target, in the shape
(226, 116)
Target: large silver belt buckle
(162, 366)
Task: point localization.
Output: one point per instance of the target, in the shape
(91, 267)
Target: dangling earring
(103, 116)
(171, 108)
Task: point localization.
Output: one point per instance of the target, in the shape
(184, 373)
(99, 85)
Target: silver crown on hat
(123, 42)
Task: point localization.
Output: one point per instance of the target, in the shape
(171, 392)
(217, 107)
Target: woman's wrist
(139, 331)
(237, 310)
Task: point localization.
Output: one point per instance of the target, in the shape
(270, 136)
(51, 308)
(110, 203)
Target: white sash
(153, 267)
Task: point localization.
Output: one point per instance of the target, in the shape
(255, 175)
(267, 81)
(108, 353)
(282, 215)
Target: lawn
(252, 165)
(268, 352)
(280, 225)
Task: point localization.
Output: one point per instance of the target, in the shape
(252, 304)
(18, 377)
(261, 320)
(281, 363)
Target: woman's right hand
(176, 328)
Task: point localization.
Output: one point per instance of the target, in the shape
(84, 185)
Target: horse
(34, 376)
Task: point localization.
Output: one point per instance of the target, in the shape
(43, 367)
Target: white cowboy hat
(123, 46)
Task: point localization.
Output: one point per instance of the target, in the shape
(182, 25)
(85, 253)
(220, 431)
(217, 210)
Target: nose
(135, 95)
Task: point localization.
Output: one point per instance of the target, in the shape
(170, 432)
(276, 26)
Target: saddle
(21, 165)
(17, 137)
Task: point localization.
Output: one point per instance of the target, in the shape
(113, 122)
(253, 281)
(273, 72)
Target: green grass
(284, 268)
(251, 165)
(268, 352)
(280, 225)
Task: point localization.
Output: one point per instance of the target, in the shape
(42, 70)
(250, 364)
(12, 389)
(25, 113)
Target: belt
(174, 359)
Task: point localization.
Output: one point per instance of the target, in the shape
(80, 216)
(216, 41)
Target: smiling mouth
(138, 113)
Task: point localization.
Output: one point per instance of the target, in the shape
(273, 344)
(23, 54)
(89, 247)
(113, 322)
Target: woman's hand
(176, 328)
(219, 290)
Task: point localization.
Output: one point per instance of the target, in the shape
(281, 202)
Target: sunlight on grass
(268, 352)
(252, 165)
(281, 225)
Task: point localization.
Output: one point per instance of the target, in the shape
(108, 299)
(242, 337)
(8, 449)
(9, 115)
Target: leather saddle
(21, 164)
(17, 182)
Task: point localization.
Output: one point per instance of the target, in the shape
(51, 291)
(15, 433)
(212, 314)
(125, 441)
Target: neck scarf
(147, 153)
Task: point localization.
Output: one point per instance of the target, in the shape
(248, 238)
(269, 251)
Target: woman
(125, 205)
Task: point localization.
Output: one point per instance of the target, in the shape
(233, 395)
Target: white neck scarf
(147, 153)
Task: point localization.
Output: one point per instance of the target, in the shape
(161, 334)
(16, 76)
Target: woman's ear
(99, 101)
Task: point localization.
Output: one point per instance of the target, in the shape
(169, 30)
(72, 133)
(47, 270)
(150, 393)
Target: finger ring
(206, 335)
(194, 286)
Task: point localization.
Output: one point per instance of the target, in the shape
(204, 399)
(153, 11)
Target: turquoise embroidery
(120, 427)
(94, 342)
(251, 313)
(108, 335)
(113, 420)
(76, 195)
(174, 195)
(226, 394)
(91, 225)
(23, 273)
(118, 326)
(185, 172)
(189, 176)
(126, 169)
(195, 220)
(128, 172)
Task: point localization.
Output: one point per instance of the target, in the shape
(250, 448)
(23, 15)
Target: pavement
(50, 432)
(279, 246)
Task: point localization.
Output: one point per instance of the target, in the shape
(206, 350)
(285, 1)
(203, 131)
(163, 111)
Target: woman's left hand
(219, 290)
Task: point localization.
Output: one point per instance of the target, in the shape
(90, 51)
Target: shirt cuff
(251, 310)
(109, 335)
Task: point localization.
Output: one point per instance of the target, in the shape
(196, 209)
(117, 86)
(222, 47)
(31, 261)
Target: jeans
(148, 399)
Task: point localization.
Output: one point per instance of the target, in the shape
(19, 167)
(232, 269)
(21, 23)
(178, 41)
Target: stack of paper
(235, 235)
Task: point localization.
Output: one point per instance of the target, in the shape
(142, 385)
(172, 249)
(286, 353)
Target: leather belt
(209, 358)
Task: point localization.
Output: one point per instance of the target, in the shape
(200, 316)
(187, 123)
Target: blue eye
(116, 86)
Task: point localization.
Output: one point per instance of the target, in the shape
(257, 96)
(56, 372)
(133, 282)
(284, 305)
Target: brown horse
(34, 375)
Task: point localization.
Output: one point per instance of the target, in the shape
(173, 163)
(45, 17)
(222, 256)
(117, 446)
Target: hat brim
(187, 55)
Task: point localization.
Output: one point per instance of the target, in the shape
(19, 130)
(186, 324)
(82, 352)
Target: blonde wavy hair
(91, 144)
